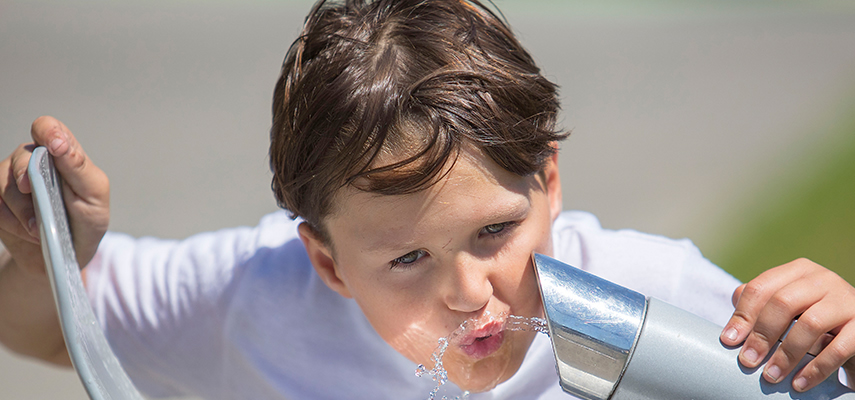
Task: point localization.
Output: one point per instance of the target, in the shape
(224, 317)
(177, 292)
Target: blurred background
(731, 122)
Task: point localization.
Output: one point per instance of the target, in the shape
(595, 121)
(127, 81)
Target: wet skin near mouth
(420, 264)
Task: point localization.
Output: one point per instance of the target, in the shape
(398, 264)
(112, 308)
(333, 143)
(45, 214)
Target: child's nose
(469, 288)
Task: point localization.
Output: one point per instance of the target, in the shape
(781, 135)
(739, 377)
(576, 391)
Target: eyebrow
(511, 210)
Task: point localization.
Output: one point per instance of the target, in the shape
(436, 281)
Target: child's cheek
(410, 332)
(415, 344)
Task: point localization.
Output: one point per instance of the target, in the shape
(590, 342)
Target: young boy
(415, 141)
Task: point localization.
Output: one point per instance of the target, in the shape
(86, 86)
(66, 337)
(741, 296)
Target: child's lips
(482, 342)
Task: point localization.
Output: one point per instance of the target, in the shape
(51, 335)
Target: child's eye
(495, 229)
(408, 258)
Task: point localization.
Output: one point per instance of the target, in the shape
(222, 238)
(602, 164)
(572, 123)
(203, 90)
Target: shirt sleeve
(161, 304)
(703, 288)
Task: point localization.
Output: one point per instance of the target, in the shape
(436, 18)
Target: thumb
(85, 179)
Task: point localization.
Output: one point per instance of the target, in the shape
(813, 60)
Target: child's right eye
(408, 258)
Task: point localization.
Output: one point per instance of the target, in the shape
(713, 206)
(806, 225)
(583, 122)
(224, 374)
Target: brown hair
(415, 79)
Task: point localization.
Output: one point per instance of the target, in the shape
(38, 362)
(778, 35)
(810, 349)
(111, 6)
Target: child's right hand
(86, 190)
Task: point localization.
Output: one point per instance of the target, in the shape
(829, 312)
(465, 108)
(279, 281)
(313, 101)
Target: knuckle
(75, 159)
(812, 324)
(20, 159)
(763, 338)
(790, 354)
(805, 264)
(783, 301)
(23, 149)
(837, 352)
(742, 316)
(753, 289)
(818, 369)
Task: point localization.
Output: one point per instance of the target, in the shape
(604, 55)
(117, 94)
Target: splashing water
(517, 323)
(440, 375)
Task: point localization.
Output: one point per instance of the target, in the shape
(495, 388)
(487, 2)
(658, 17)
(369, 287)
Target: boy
(416, 142)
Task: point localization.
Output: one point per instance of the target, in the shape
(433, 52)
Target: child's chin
(485, 374)
(483, 381)
(478, 384)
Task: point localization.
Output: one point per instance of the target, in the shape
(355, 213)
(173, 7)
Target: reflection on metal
(613, 343)
(593, 324)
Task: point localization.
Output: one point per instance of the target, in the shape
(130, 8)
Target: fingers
(806, 332)
(17, 216)
(765, 308)
(86, 189)
(838, 352)
(752, 298)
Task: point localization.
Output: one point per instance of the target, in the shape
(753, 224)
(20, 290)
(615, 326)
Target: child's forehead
(468, 165)
(470, 175)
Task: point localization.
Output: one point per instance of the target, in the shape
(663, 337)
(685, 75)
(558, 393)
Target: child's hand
(825, 306)
(86, 191)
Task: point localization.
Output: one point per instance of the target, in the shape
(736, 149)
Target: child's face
(420, 264)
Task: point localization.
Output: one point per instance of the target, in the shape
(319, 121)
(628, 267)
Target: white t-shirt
(241, 314)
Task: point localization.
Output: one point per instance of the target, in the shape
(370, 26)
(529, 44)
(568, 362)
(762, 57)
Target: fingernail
(56, 144)
(773, 373)
(800, 384)
(731, 334)
(750, 355)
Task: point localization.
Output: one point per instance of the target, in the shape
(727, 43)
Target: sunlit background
(729, 122)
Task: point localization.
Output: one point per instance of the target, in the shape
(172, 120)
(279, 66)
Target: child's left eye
(495, 229)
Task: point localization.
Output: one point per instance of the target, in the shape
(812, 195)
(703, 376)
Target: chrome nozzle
(593, 325)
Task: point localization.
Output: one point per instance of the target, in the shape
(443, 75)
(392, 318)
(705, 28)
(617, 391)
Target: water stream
(440, 375)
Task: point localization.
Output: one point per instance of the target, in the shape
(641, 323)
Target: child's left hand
(825, 306)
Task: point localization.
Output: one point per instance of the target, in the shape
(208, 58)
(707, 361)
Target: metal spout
(593, 324)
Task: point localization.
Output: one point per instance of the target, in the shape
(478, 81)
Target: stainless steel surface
(593, 324)
(614, 343)
(679, 356)
(94, 361)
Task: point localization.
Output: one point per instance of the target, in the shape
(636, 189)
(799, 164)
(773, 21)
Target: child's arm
(824, 304)
(28, 320)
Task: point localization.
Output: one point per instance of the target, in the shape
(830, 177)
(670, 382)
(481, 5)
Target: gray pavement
(678, 109)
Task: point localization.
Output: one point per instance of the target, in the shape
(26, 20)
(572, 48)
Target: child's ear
(553, 186)
(322, 260)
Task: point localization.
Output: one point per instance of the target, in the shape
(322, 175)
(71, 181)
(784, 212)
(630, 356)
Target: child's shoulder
(575, 226)
(673, 270)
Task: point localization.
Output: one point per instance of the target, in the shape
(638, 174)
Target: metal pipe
(614, 343)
